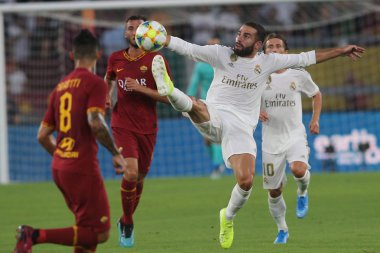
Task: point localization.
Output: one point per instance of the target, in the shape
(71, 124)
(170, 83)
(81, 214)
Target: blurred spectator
(362, 148)
(17, 37)
(113, 40)
(16, 79)
(45, 65)
(44, 38)
(269, 15)
(329, 162)
(203, 23)
(329, 12)
(356, 96)
(12, 111)
(228, 23)
(279, 13)
(301, 15)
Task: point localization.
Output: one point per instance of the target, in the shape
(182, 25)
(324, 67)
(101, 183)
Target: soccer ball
(150, 36)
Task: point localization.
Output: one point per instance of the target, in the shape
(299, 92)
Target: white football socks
(180, 101)
(237, 201)
(277, 209)
(303, 183)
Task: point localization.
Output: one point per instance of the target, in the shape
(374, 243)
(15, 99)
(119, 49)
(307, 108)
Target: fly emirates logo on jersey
(123, 85)
(280, 100)
(241, 81)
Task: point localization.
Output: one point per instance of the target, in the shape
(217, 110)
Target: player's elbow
(42, 138)
(95, 121)
(318, 96)
(95, 125)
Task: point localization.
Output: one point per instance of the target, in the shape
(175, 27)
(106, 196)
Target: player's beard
(243, 52)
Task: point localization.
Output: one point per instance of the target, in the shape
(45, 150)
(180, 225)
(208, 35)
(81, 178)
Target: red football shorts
(139, 146)
(86, 197)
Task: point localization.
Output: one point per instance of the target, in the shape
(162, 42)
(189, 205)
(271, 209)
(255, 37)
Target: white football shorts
(227, 129)
(274, 165)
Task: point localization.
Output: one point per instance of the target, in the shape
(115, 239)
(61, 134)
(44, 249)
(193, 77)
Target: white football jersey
(238, 81)
(281, 99)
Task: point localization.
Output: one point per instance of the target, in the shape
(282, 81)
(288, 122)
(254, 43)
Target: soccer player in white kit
(230, 113)
(284, 135)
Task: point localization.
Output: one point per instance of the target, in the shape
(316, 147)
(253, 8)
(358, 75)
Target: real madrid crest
(257, 69)
(293, 86)
(233, 57)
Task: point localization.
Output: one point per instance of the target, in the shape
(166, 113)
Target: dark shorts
(135, 145)
(86, 197)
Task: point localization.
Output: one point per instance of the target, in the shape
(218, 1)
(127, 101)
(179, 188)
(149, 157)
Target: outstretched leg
(82, 237)
(179, 100)
(196, 109)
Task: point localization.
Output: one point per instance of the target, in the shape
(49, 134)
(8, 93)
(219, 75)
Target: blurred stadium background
(37, 38)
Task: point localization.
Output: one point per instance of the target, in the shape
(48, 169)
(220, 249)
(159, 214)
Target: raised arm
(101, 132)
(317, 107)
(281, 61)
(207, 53)
(352, 51)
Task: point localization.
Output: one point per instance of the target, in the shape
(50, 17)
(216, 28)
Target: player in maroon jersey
(75, 112)
(134, 120)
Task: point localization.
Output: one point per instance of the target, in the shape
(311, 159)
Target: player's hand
(119, 163)
(263, 116)
(133, 85)
(314, 127)
(108, 101)
(353, 51)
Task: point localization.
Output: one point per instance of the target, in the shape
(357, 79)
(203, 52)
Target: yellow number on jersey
(65, 104)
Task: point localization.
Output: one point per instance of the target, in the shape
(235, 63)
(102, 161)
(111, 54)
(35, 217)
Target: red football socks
(128, 200)
(70, 236)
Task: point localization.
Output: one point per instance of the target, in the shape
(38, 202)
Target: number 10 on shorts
(268, 169)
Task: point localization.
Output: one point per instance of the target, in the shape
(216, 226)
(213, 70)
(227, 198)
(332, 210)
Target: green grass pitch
(180, 215)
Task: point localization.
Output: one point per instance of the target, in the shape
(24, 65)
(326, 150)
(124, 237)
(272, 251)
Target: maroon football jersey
(79, 92)
(133, 111)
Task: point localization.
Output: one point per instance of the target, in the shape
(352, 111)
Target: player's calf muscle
(199, 112)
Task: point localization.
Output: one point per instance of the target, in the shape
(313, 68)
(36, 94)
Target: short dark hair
(275, 36)
(261, 32)
(136, 17)
(85, 45)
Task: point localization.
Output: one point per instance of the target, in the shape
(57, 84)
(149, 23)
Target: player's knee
(103, 237)
(274, 193)
(245, 183)
(298, 169)
(131, 174)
